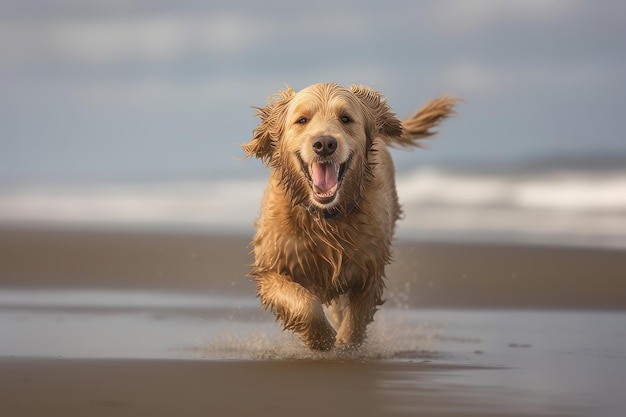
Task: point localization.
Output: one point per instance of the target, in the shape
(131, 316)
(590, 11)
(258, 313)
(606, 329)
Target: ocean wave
(560, 206)
(558, 190)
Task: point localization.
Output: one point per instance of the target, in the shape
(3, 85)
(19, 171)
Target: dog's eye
(302, 120)
(345, 119)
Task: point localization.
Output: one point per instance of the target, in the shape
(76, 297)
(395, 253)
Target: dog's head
(318, 140)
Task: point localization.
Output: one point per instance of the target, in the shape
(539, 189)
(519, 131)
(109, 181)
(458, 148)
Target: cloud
(160, 36)
(469, 77)
(116, 39)
(459, 17)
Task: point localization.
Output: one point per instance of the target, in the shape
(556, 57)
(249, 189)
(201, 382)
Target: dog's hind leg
(297, 308)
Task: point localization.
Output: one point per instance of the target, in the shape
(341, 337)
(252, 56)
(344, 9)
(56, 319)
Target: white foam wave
(560, 190)
(206, 205)
(584, 208)
(563, 207)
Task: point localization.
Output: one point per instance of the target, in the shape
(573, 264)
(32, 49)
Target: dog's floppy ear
(386, 123)
(270, 128)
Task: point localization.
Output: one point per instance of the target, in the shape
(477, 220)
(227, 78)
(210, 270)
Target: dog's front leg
(298, 309)
(362, 306)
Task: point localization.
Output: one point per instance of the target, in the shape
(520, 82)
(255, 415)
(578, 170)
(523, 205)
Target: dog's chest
(331, 266)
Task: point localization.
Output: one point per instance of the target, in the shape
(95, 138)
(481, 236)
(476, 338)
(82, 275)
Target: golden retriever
(328, 215)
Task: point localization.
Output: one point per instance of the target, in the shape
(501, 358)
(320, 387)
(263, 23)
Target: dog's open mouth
(325, 178)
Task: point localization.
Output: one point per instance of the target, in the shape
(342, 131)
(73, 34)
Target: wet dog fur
(328, 214)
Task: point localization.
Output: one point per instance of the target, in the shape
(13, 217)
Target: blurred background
(129, 113)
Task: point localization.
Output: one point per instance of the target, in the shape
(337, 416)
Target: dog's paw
(349, 340)
(343, 346)
(320, 337)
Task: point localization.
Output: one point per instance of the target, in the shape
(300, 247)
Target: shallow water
(533, 362)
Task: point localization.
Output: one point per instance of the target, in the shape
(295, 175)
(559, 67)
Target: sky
(131, 89)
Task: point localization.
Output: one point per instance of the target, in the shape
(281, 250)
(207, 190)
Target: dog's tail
(420, 124)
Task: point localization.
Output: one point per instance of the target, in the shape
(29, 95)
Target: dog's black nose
(324, 145)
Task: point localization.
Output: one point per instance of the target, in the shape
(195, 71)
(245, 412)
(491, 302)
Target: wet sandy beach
(122, 323)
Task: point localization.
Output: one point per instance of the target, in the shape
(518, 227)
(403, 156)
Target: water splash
(393, 335)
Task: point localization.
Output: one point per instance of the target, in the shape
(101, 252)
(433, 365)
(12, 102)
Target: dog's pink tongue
(324, 177)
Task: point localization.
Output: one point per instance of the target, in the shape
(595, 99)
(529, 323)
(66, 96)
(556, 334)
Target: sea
(569, 203)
